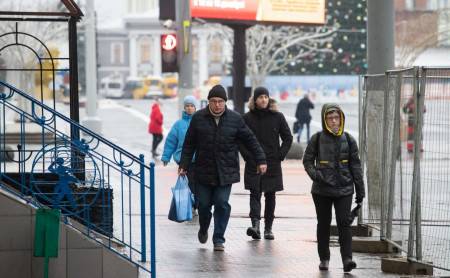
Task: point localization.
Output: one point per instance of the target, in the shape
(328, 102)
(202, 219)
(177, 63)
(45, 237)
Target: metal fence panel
(407, 172)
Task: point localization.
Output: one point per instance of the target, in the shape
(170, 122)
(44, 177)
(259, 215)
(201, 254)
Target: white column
(133, 55)
(203, 58)
(91, 121)
(156, 55)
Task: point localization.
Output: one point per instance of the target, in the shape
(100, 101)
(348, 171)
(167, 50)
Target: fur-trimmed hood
(273, 105)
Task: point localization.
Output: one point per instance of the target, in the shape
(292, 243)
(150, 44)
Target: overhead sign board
(281, 11)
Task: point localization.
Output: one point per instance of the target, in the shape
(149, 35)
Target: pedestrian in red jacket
(155, 126)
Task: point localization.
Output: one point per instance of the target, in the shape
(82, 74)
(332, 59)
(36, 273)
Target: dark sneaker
(218, 246)
(349, 265)
(324, 265)
(202, 236)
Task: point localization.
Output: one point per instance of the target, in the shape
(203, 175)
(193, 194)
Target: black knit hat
(218, 91)
(260, 91)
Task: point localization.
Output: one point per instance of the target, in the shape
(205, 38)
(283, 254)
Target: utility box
(46, 236)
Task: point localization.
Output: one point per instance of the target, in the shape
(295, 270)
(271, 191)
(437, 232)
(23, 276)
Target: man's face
(333, 120)
(189, 109)
(217, 104)
(262, 101)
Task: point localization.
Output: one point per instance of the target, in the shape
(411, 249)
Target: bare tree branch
(429, 30)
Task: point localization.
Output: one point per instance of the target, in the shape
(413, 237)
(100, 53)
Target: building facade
(131, 47)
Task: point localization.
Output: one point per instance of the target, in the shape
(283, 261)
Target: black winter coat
(302, 113)
(269, 126)
(216, 147)
(335, 168)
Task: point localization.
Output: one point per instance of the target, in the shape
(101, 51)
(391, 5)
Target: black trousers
(269, 208)
(342, 208)
(157, 138)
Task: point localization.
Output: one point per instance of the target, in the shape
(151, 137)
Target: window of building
(215, 50)
(116, 53)
(145, 50)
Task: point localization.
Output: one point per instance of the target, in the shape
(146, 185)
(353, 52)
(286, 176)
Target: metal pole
(418, 147)
(363, 137)
(73, 54)
(380, 36)
(152, 219)
(239, 67)
(143, 228)
(384, 180)
(184, 50)
(395, 145)
(91, 121)
(416, 170)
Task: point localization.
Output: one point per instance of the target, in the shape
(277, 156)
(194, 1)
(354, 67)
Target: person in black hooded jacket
(331, 160)
(269, 126)
(213, 135)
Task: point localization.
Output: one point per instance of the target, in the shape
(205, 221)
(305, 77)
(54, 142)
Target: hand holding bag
(181, 206)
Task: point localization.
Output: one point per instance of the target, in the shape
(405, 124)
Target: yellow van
(214, 80)
(170, 86)
(142, 87)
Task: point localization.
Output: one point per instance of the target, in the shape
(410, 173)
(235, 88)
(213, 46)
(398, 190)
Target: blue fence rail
(102, 190)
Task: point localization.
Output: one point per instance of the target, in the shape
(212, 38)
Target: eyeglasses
(220, 102)
(335, 118)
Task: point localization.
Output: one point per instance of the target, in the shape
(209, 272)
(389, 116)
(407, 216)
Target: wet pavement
(293, 253)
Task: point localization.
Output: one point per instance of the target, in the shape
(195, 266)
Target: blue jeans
(217, 196)
(300, 129)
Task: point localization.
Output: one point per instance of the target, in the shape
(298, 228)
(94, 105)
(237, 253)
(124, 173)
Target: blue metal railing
(80, 176)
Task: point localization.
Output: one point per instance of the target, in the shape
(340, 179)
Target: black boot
(268, 229)
(253, 231)
(268, 234)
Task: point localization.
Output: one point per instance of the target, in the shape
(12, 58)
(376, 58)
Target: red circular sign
(169, 42)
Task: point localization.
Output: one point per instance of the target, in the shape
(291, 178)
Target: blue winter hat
(190, 99)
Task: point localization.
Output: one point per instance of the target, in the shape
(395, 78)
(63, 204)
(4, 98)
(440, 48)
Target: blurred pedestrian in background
(268, 125)
(331, 160)
(175, 139)
(155, 125)
(303, 116)
(408, 109)
(212, 136)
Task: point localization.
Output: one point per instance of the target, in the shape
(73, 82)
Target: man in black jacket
(213, 136)
(268, 125)
(303, 116)
(331, 160)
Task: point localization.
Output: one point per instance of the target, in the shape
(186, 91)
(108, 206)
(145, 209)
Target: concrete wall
(78, 255)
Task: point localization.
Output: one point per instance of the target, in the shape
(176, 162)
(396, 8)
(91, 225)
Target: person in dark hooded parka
(268, 125)
(331, 160)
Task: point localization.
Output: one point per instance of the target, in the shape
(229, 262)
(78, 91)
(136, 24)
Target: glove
(359, 199)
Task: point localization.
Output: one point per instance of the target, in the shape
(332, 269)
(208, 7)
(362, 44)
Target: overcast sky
(109, 10)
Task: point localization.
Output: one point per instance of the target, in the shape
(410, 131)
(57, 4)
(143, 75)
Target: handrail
(81, 177)
(66, 119)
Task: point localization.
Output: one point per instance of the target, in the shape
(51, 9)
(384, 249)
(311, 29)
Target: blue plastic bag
(181, 206)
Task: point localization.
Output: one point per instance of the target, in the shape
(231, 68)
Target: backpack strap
(317, 143)
(349, 142)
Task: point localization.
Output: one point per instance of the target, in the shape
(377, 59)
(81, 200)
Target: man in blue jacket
(213, 136)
